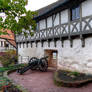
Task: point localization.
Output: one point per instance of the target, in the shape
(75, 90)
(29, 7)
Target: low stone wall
(75, 81)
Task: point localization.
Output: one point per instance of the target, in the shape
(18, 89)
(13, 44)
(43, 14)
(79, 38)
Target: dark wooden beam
(48, 43)
(82, 40)
(23, 44)
(20, 45)
(36, 44)
(31, 44)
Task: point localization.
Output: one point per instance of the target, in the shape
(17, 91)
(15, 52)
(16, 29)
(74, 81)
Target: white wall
(56, 22)
(49, 21)
(87, 8)
(64, 16)
(64, 19)
(42, 24)
(75, 58)
(3, 48)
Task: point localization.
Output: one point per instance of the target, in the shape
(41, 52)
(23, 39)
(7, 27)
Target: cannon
(34, 64)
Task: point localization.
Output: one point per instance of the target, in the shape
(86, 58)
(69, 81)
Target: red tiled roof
(9, 37)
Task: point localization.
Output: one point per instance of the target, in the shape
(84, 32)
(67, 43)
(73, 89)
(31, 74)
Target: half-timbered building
(64, 33)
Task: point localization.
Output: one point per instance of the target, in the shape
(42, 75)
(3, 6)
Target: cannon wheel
(32, 60)
(43, 65)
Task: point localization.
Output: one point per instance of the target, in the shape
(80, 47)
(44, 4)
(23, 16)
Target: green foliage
(9, 58)
(74, 73)
(17, 17)
(3, 82)
(12, 67)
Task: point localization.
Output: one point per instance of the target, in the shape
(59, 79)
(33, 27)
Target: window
(75, 13)
(55, 55)
(7, 45)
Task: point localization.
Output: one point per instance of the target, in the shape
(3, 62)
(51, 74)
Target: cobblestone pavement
(36, 81)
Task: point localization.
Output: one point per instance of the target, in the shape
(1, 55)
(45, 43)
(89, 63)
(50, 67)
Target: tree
(17, 17)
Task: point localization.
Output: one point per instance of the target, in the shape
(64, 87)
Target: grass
(3, 69)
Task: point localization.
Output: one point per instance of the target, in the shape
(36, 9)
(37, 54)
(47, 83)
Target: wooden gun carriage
(35, 63)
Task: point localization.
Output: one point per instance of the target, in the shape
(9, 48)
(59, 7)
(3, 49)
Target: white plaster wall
(87, 8)
(49, 21)
(75, 58)
(3, 48)
(30, 52)
(42, 24)
(64, 16)
(56, 22)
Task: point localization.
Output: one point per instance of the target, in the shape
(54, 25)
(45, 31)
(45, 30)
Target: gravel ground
(36, 81)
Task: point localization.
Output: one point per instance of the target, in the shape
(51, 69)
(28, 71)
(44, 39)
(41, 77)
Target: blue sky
(37, 4)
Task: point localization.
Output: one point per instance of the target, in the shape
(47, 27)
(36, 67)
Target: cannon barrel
(35, 63)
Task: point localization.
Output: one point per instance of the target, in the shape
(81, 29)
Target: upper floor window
(75, 13)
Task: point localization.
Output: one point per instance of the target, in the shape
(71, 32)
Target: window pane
(73, 14)
(77, 12)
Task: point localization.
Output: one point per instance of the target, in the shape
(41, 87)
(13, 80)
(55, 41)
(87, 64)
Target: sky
(37, 4)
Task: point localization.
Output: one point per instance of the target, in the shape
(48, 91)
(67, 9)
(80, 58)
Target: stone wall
(76, 58)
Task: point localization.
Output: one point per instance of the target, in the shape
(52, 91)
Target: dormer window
(75, 13)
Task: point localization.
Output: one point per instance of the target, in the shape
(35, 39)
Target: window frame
(75, 8)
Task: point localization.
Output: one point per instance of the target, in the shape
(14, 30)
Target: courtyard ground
(36, 81)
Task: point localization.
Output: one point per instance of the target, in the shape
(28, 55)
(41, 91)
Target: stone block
(89, 65)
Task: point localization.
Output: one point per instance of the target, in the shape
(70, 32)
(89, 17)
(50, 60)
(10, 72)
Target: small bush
(8, 58)
(18, 66)
(75, 73)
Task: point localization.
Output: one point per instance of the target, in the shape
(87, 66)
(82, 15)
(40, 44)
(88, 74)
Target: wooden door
(52, 59)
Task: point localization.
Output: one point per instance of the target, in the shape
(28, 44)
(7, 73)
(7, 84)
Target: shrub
(12, 67)
(74, 73)
(8, 58)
